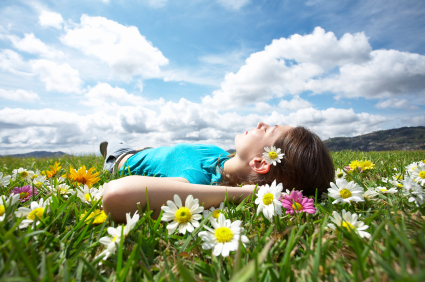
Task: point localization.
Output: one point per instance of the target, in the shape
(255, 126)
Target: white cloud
(33, 45)
(183, 121)
(396, 104)
(321, 63)
(62, 78)
(123, 48)
(12, 62)
(50, 19)
(389, 73)
(415, 121)
(233, 4)
(19, 95)
(295, 104)
(107, 98)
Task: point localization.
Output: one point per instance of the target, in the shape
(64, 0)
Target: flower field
(369, 227)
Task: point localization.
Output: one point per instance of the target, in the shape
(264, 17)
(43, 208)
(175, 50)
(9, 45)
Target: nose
(261, 125)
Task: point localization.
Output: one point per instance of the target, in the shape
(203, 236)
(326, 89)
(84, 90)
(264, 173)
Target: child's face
(250, 144)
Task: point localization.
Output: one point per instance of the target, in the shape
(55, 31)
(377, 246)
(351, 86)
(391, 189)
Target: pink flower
(25, 192)
(348, 168)
(300, 203)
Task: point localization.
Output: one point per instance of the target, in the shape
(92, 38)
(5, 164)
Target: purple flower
(25, 192)
(300, 203)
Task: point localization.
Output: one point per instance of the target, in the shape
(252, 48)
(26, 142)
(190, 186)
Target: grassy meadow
(64, 243)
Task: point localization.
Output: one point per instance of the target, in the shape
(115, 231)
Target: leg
(114, 149)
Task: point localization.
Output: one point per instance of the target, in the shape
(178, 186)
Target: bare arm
(122, 195)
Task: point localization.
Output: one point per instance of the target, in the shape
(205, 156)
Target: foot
(103, 147)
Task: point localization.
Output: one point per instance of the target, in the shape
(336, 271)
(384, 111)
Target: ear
(259, 165)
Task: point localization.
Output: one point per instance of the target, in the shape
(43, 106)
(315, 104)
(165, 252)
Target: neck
(236, 167)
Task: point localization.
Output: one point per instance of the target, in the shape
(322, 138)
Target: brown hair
(306, 165)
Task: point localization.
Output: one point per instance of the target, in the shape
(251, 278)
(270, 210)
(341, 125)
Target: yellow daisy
(84, 176)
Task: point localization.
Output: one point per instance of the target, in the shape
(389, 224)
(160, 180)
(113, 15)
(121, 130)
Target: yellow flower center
(183, 215)
(223, 234)
(297, 206)
(272, 155)
(413, 168)
(383, 189)
(345, 193)
(38, 212)
(268, 199)
(398, 177)
(115, 238)
(87, 197)
(63, 191)
(399, 185)
(38, 184)
(216, 213)
(422, 174)
(23, 174)
(347, 225)
(23, 195)
(2, 210)
(34, 176)
(340, 175)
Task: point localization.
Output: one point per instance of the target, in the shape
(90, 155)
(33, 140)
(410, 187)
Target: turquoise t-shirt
(195, 162)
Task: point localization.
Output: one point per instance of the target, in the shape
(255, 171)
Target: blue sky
(158, 72)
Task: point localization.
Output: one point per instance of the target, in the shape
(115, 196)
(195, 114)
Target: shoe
(103, 147)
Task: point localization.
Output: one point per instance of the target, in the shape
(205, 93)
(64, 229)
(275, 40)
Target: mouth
(246, 132)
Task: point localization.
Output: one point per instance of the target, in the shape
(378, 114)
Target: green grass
(295, 248)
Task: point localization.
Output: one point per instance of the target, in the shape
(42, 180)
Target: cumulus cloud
(295, 104)
(33, 45)
(321, 63)
(12, 62)
(233, 4)
(123, 48)
(107, 98)
(19, 95)
(57, 77)
(50, 19)
(183, 121)
(396, 104)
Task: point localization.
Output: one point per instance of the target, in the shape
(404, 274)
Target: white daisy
(350, 222)
(268, 200)
(216, 212)
(22, 173)
(419, 174)
(113, 240)
(344, 192)
(184, 217)
(4, 181)
(62, 189)
(7, 202)
(370, 194)
(414, 191)
(339, 173)
(224, 238)
(272, 155)
(40, 181)
(287, 193)
(88, 195)
(35, 210)
(411, 168)
(384, 190)
(36, 174)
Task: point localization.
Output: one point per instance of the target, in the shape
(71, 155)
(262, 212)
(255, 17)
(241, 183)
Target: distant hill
(404, 138)
(37, 154)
